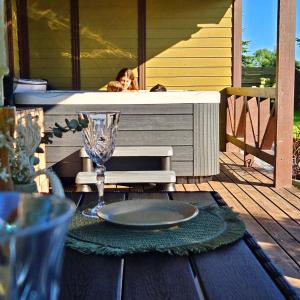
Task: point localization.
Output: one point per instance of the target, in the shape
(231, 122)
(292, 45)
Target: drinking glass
(99, 143)
(32, 234)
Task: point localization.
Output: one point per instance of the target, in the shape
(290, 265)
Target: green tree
(264, 58)
(247, 60)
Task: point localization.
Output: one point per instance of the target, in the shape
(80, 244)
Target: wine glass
(99, 143)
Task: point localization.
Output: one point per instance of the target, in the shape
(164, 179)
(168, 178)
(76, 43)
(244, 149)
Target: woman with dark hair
(127, 79)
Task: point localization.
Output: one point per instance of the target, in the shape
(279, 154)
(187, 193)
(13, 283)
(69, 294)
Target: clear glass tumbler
(32, 234)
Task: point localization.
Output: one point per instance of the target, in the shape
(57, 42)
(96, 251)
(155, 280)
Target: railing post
(251, 128)
(284, 109)
(230, 103)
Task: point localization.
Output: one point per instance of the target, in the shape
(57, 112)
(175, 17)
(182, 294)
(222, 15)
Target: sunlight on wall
(189, 46)
(49, 41)
(3, 56)
(108, 40)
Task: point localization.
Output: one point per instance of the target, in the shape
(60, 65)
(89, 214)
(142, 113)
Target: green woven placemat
(211, 228)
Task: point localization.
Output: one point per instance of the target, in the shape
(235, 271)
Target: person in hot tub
(127, 80)
(114, 86)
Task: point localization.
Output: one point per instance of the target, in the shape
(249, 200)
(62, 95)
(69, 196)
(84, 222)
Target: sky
(259, 24)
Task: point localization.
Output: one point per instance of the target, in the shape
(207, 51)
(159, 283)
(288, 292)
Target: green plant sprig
(58, 130)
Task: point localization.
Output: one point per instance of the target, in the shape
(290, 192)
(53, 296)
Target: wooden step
(115, 177)
(164, 151)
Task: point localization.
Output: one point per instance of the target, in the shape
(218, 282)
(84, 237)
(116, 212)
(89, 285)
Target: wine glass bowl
(99, 143)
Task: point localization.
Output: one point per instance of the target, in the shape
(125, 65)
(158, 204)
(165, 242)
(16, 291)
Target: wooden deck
(271, 215)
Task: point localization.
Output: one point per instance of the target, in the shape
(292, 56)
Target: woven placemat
(211, 228)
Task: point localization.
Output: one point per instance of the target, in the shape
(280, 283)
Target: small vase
(26, 188)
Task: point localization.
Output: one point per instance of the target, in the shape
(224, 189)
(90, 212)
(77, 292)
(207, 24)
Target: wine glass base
(91, 212)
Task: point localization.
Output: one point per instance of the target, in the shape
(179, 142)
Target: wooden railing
(251, 122)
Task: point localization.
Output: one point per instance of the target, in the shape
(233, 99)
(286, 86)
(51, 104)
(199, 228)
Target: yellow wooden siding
(15, 39)
(189, 44)
(50, 42)
(108, 40)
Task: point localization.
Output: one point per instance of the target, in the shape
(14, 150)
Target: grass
(296, 122)
(297, 118)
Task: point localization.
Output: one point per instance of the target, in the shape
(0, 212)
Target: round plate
(147, 213)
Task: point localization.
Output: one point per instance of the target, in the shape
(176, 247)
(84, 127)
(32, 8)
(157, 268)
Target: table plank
(233, 273)
(204, 198)
(158, 276)
(90, 277)
(90, 199)
(84, 276)
(160, 196)
(75, 197)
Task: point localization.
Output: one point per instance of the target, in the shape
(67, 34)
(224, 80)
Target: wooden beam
(142, 43)
(75, 44)
(237, 43)
(23, 40)
(9, 30)
(252, 92)
(265, 155)
(263, 115)
(284, 109)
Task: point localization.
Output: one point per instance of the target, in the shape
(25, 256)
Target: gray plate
(147, 213)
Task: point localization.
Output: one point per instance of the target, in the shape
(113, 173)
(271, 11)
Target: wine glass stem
(100, 184)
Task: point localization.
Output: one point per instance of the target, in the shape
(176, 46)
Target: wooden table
(238, 271)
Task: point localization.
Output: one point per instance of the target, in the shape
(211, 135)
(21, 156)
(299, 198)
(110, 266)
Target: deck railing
(251, 122)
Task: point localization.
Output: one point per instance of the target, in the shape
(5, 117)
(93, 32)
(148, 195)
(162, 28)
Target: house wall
(187, 44)
(15, 53)
(108, 40)
(49, 42)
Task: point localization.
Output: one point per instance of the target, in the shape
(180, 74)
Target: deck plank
(271, 210)
(191, 187)
(204, 186)
(232, 195)
(275, 198)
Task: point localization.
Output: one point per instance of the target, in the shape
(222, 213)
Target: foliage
(58, 130)
(247, 60)
(260, 58)
(296, 152)
(264, 58)
(21, 149)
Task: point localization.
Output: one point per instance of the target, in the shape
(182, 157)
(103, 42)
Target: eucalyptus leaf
(63, 129)
(39, 150)
(73, 124)
(57, 132)
(84, 123)
(35, 160)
